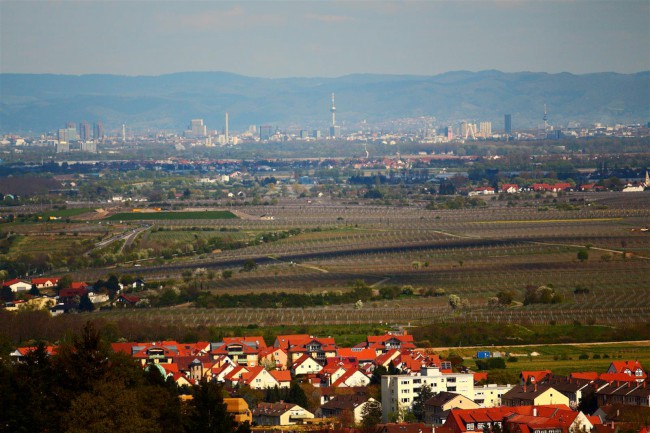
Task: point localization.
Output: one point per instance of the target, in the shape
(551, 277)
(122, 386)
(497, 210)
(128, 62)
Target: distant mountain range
(31, 102)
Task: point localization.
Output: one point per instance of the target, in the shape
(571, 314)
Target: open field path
(598, 343)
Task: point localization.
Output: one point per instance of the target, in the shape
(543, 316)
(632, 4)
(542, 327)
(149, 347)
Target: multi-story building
(196, 129)
(84, 131)
(399, 391)
(507, 124)
(98, 130)
(485, 129)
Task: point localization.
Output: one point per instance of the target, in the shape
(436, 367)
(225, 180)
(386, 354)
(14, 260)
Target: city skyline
(323, 39)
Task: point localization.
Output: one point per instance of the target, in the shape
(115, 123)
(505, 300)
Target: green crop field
(158, 216)
(65, 213)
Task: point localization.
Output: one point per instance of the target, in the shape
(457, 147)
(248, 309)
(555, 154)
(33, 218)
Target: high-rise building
(507, 120)
(316, 133)
(68, 134)
(98, 130)
(84, 131)
(196, 129)
(485, 129)
(265, 132)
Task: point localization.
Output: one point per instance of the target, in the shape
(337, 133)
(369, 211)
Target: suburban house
(631, 368)
(533, 377)
(521, 419)
(353, 403)
(45, 283)
(625, 393)
(243, 351)
(533, 395)
(273, 357)
(17, 285)
(280, 414)
(127, 301)
(437, 407)
(318, 348)
(305, 365)
(258, 378)
(389, 341)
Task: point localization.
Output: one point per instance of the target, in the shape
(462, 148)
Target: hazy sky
(323, 38)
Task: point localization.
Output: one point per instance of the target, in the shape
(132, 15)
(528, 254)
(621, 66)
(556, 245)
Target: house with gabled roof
(242, 350)
(359, 355)
(437, 407)
(535, 376)
(273, 358)
(631, 393)
(20, 353)
(280, 413)
(45, 283)
(284, 341)
(389, 341)
(305, 365)
(533, 395)
(520, 419)
(573, 389)
(354, 403)
(234, 376)
(283, 377)
(318, 348)
(631, 368)
(353, 377)
(17, 285)
(258, 378)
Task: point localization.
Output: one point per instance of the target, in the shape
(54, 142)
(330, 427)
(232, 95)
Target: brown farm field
(473, 252)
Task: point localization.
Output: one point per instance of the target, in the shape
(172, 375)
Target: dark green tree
(34, 291)
(371, 415)
(85, 304)
(418, 402)
(6, 294)
(208, 411)
(297, 395)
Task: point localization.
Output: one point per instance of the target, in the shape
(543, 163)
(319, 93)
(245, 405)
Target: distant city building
(507, 120)
(89, 147)
(316, 133)
(304, 134)
(98, 130)
(62, 147)
(265, 132)
(485, 129)
(196, 129)
(84, 131)
(468, 130)
(68, 134)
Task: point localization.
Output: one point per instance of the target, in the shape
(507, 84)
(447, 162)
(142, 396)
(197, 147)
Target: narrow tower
(545, 118)
(226, 128)
(123, 132)
(333, 110)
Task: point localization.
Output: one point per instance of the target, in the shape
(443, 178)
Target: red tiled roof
(281, 375)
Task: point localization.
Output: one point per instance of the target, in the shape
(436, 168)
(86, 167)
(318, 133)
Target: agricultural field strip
(332, 315)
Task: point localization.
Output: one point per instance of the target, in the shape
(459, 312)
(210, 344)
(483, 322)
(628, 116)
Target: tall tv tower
(333, 110)
(226, 128)
(545, 119)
